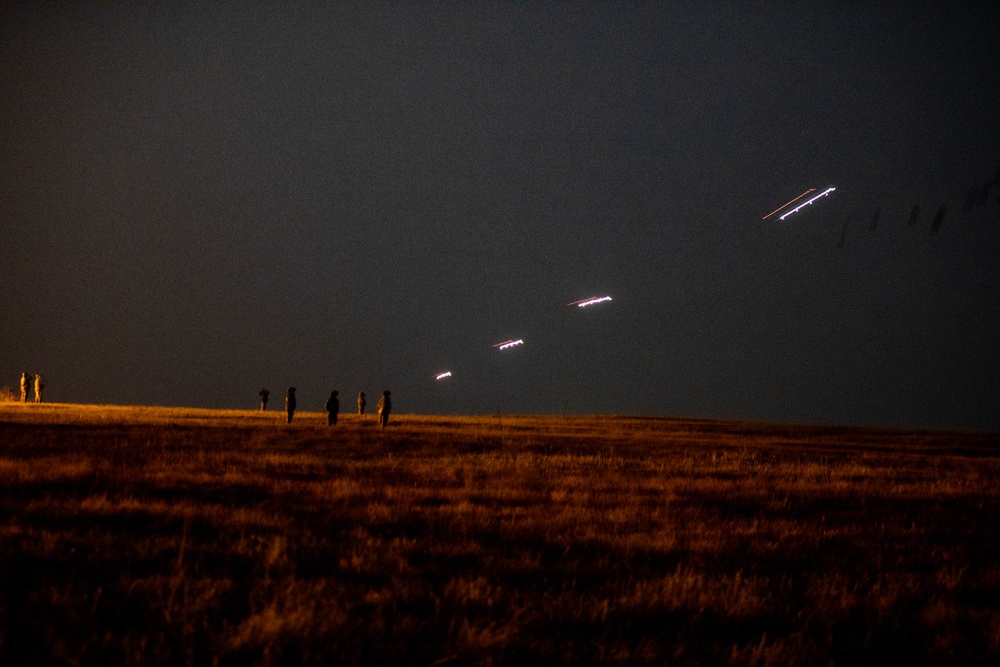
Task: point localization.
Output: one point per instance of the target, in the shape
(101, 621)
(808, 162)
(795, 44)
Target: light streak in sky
(441, 376)
(807, 202)
(509, 343)
(789, 203)
(582, 303)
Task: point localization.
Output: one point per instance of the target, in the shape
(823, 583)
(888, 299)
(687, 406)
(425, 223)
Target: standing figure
(39, 385)
(361, 403)
(290, 403)
(25, 383)
(332, 408)
(384, 408)
(264, 393)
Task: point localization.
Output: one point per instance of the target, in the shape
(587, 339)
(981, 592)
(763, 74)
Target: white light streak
(590, 301)
(807, 202)
(441, 376)
(509, 343)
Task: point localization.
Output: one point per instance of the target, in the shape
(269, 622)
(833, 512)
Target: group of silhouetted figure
(27, 381)
(978, 195)
(332, 405)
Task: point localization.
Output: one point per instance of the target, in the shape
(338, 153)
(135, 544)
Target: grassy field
(156, 536)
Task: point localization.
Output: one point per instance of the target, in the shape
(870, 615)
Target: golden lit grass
(181, 536)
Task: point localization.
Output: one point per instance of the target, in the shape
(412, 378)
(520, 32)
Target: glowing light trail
(807, 202)
(441, 376)
(789, 203)
(583, 303)
(509, 343)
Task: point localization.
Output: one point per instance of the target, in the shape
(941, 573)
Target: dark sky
(200, 200)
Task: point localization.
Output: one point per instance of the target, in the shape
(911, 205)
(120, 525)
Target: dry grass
(180, 536)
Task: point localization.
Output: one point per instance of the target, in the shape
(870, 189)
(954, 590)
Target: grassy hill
(156, 536)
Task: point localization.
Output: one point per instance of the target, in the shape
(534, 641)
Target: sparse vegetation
(159, 536)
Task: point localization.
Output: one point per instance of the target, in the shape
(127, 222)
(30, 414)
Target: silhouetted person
(264, 393)
(875, 218)
(25, 383)
(361, 403)
(384, 408)
(39, 385)
(290, 403)
(332, 408)
(938, 219)
(843, 233)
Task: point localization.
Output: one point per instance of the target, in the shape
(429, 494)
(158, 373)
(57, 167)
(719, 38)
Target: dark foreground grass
(150, 536)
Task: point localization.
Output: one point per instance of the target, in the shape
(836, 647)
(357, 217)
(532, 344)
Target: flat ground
(156, 536)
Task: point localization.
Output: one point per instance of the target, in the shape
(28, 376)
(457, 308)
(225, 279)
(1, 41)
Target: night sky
(197, 201)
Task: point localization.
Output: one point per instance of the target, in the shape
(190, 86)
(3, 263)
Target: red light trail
(789, 203)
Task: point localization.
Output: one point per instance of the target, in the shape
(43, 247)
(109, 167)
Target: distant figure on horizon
(332, 408)
(39, 385)
(384, 408)
(264, 393)
(361, 404)
(25, 383)
(290, 403)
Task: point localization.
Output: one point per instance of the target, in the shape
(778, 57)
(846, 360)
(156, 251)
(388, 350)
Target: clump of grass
(175, 536)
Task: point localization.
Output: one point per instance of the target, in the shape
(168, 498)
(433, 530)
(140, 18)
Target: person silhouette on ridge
(332, 408)
(290, 403)
(384, 408)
